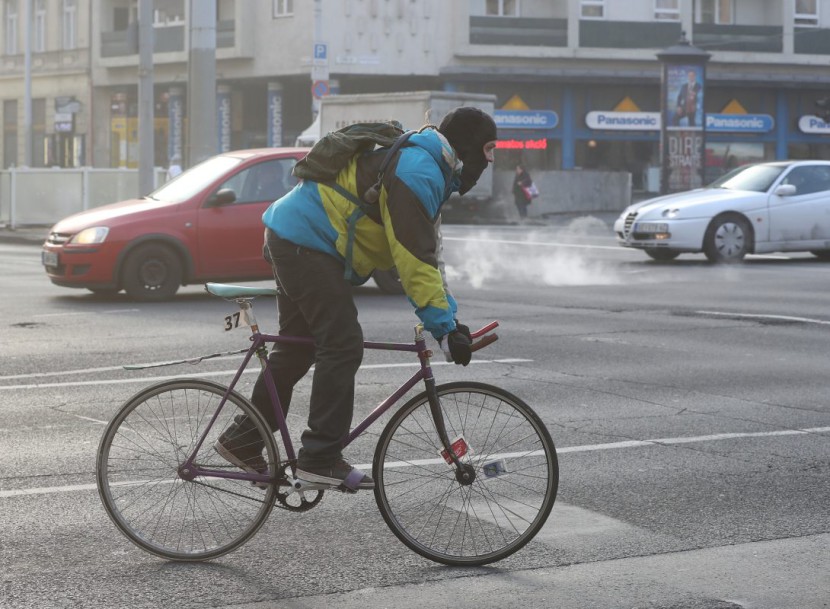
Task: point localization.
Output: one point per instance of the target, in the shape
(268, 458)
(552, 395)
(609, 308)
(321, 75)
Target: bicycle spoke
(511, 495)
(138, 472)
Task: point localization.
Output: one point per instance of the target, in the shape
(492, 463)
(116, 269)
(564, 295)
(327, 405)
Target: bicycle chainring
(297, 501)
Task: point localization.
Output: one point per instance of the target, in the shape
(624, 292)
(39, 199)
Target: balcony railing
(812, 41)
(752, 38)
(167, 39)
(628, 34)
(525, 31)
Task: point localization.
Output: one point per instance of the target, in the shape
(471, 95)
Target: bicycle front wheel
(450, 522)
(138, 472)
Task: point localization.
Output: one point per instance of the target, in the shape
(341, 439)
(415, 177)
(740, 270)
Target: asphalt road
(688, 403)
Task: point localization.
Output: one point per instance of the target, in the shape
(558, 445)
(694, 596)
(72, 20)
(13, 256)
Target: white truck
(412, 109)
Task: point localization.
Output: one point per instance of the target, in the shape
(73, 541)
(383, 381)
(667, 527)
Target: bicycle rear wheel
(516, 475)
(139, 482)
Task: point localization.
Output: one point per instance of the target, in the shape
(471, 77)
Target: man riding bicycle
(312, 253)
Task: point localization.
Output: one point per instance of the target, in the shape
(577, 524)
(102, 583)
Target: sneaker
(338, 474)
(242, 445)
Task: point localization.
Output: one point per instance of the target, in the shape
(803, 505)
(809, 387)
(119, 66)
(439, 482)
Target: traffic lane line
(560, 451)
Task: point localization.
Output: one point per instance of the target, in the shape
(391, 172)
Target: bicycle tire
(138, 481)
(429, 510)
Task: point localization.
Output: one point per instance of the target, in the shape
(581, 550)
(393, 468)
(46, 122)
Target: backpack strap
(370, 197)
(373, 193)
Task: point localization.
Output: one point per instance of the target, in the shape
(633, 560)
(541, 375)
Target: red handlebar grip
(486, 340)
(481, 332)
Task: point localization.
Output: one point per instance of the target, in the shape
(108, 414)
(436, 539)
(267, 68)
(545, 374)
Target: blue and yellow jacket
(402, 230)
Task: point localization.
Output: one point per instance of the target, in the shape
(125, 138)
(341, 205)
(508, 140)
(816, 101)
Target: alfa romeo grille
(629, 220)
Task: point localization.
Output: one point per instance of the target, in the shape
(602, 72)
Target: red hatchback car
(204, 225)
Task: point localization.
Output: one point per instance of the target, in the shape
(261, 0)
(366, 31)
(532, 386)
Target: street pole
(27, 84)
(201, 94)
(146, 133)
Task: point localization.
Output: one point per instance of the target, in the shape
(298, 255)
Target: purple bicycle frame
(189, 470)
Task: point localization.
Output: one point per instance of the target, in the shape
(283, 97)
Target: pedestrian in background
(521, 182)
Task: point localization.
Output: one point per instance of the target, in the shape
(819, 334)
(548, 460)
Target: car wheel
(821, 254)
(152, 272)
(661, 254)
(728, 239)
(389, 281)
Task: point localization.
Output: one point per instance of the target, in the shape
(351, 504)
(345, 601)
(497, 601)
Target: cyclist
(306, 240)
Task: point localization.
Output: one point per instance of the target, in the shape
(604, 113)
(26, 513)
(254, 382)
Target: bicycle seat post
(247, 308)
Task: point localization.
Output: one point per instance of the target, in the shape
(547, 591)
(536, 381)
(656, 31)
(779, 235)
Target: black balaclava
(467, 129)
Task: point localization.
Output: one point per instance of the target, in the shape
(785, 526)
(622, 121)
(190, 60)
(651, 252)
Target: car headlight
(88, 236)
(670, 213)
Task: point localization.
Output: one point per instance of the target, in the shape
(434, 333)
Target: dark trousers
(314, 300)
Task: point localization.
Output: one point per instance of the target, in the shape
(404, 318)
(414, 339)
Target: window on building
(10, 11)
(592, 9)
(502, 8)
(40, 26)
(806, 13)
(667, 10)
(717, 11)
(283, 8)
(70, 24)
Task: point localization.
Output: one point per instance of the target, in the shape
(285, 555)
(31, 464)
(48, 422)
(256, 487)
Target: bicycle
(472, 499)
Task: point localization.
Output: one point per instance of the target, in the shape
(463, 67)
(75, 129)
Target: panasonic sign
(739, 123)
(525, 119)
(623, 121)
(813, 124)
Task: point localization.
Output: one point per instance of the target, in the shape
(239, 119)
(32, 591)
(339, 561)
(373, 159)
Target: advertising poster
(685, 159)
(684, 127)
(684, 96)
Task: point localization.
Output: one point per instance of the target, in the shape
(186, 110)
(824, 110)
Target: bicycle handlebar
(484, 338)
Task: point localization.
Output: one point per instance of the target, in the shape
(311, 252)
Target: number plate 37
(237, 320)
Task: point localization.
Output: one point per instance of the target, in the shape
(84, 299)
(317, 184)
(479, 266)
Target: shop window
(283, 8)
(502, 8)
(10, 14)
(723, 157)
(667, 10)
(719, 12)
(592, 9)
(806, 13)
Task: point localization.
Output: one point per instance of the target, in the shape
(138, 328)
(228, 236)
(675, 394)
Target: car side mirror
(786, 190)
(221, 197)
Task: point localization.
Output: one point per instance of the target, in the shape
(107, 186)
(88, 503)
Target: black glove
(465, 330)
(459, 347)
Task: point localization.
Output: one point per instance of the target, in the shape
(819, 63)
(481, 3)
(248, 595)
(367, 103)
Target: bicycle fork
(464, 472)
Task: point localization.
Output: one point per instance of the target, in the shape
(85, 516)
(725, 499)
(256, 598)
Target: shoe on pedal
(241, 445)
(339, 474)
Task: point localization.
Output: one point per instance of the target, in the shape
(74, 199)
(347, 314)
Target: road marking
(560, 451)
(543, 243)
(68, 314)
(154, 379)
(806, 320)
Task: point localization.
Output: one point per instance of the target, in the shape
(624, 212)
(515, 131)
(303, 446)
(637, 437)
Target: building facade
(578, 82)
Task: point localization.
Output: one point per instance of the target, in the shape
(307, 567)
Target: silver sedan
(766, 207)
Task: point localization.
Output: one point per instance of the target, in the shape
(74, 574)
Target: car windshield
(194, 180)
(754, 178)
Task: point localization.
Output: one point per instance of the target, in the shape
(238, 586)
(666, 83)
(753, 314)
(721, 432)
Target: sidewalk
(35, 235)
